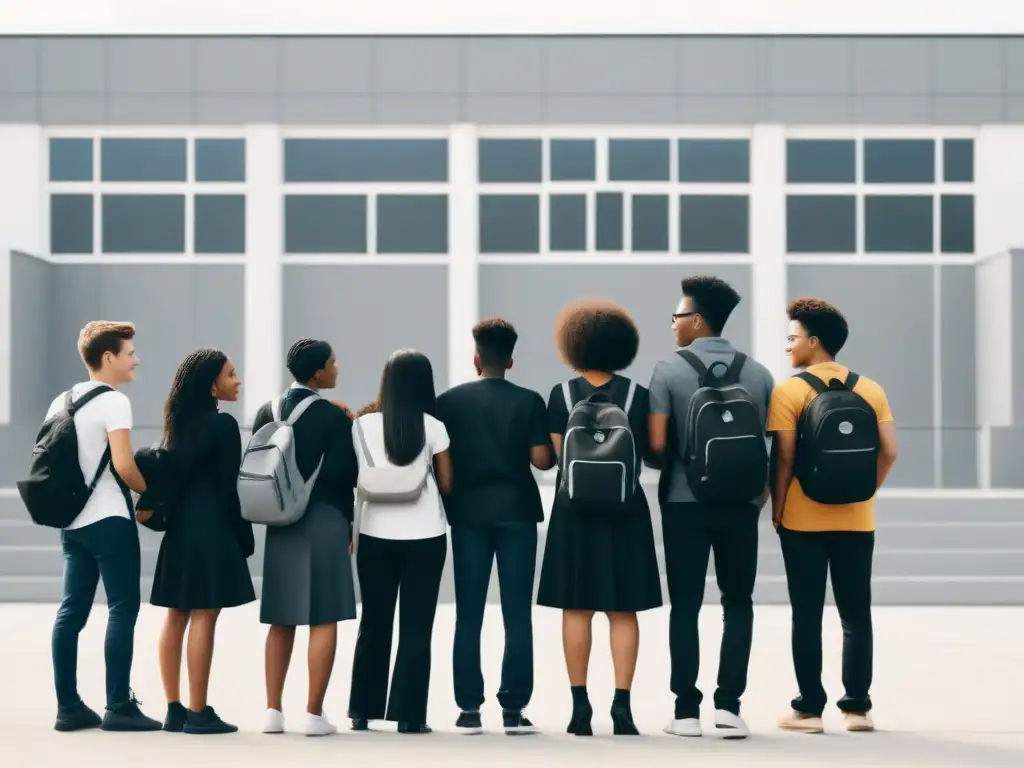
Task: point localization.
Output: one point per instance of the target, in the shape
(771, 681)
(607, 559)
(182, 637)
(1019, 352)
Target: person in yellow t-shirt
(818, 538)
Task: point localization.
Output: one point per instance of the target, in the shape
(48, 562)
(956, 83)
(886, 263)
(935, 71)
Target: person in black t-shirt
(498, 430)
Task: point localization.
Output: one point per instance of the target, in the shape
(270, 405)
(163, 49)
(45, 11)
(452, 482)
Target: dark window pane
(898, 224)
(608, 227)
(957, 223)
(509, 160)
(412, 224)
(899, 161)
(573, 160)
(650, 223)
(325, 224)
(568, 222)
(509, 224)
(220, 159)
(714, 224)
(821, 224)
(821, 161)
(220, 224)
(70, 224)
(638, 160)
(365, 160)
(958, 160)
(70, 159)
(714, 160)
(143, 160)
(143, 224)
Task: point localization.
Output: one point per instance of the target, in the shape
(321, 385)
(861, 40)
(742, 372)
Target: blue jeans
(473, 553)
(107, 549)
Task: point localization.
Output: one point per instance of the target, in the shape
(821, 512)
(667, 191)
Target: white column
(768, 246)
(264, 237)
(463, 275)
(22, 197)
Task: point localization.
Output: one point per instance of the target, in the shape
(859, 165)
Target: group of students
(385, 485)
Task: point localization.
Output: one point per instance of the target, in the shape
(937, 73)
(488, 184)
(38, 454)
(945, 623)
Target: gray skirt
(307, 572)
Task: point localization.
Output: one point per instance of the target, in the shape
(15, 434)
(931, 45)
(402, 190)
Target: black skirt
(201, 564)
(597, 562)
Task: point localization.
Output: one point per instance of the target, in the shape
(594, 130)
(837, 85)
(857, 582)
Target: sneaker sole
(211, 731)
(728, 732)
(272, 731)
(71, 728)
(803, 729)
(122, 728)
(860, 728)
(681, 734)
(469, 731)
(173, 727)
(521, 730)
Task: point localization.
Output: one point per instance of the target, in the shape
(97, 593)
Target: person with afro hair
(597, 563)
(307, 572)
(818, 539)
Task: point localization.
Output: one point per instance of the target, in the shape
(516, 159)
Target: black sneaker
(77, 718)
(414, 728)
(128, 717)
(176, 717)
(469, 724)
(515, 723)
(206, 721)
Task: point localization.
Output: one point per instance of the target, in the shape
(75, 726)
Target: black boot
(622, 715)
(582, 712)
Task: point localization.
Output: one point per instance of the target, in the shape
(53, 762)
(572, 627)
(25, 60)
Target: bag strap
(851, 380)
(362, 443)
(73, 406)
(629, 396)
(567, 394)
(695, 362)
(300, 409)
(104, 463)
(815, 383)
(276, 406)
(734, 369)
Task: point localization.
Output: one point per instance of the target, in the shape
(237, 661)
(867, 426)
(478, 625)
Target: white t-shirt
(423, 520)
(108, 412)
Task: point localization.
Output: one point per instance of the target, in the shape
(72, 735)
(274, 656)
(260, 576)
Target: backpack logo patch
(599, 437)
(727, 417)
(845, 428)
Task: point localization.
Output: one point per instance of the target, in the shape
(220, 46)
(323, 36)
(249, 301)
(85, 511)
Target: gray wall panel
(957, 318)
(1007, 457)
(19, 108)
(329, 302)
(959, 457)
(727, 79)
(30, 339)
(531, 298)
(73, 304)
(1017, 305)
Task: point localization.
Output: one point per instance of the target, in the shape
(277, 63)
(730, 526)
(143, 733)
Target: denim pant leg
(516, 550)
(81, 575)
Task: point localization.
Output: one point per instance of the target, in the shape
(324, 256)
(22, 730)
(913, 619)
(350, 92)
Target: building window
(898, 224)
(143, 224)
(219, 224)
(638, 160)
(143, 159)
(412, 224)
(821, 161)
(650, 224)
(573, 160)
(509, 223)
(821, 224)
(71, 224)
(714, 224)
(220, 160)
(958, 160)
(714, 160)
(568, 227)
(510, 161)
(608, 227)
(365, 160)
(957, 223)
(899, 161)
(71, 159)
(325, 224)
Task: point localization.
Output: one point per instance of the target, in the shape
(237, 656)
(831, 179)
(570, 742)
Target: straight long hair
(406, 394)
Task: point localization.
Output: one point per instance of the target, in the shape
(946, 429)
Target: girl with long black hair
(401, 548)
(201, 567)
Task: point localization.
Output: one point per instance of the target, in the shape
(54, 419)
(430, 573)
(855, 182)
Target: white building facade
(248, 175)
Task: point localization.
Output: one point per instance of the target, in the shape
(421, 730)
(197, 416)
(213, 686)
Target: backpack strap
(300, 409)
(567, 395)
(813, 381)
(733, 374)
(851, 380)
(629, 396)
(695, 362)
(276, 406)
(73, 406)
(362, 443)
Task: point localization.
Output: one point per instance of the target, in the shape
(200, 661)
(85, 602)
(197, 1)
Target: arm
(660, 412)
(886, 456)
(340, 463)
(437, 439)
(557, 418)
(443, 471)
(119, 435)
(542, 455)
(783, 412)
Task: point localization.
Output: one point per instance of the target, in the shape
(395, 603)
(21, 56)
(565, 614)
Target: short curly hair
(823, 320)
(495, 340)
(713, 298)
(306, 357)
(596, 335)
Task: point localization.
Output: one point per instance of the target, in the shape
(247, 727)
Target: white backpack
(270, 487)
(387, 485)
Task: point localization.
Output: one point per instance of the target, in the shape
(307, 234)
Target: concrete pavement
(947, 692)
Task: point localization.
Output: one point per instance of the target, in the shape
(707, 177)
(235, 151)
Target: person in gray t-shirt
(692, 529)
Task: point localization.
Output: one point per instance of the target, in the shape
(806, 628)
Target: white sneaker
(273, 721)
(689, 727)
(318, 725)
(730, 726)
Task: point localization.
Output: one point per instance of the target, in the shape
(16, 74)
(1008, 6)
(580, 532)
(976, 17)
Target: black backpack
(600, 460)
(725, 457)
(55, 492)
(837, 443)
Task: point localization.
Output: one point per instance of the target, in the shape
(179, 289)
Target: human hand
(351, 548)
(776, 518)
(345, 408)
(143, 515)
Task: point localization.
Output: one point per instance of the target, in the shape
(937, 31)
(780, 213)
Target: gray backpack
(270, 487)
(388, 484)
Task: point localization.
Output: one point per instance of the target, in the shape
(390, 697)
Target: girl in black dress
(201, 567)
(594, 563)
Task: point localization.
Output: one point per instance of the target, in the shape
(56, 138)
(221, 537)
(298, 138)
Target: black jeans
(473, 552)
(107, 549)
(809, 557)
(385, 567)
(691, 532)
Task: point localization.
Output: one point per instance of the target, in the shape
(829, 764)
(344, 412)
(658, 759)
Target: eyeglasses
(681, 315)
